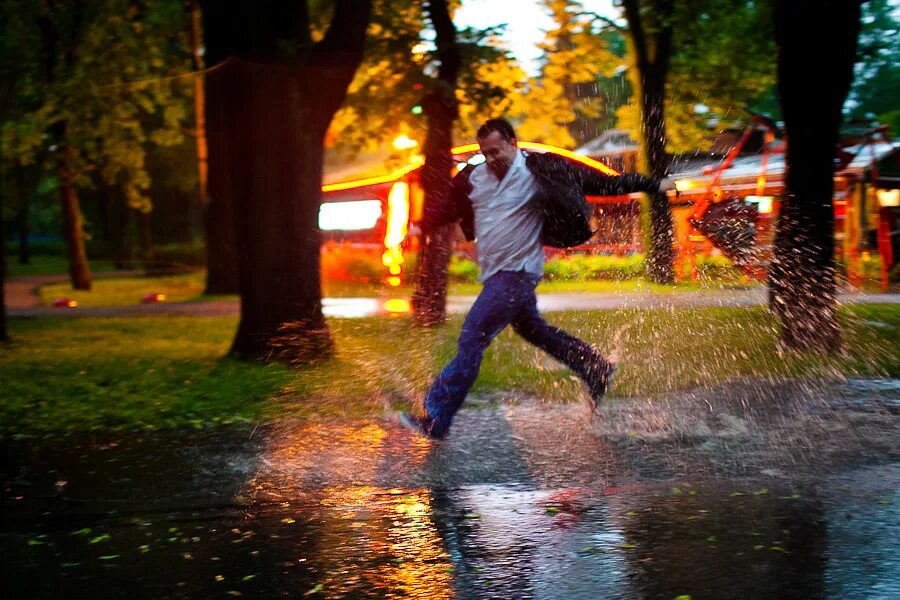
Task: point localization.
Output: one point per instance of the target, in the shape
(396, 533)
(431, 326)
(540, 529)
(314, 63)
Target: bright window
(349, 216)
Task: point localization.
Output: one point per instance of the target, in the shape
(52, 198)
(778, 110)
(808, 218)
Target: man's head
(497, 140)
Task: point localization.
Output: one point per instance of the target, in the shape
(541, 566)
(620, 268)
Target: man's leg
(593, 368)
(500, 301)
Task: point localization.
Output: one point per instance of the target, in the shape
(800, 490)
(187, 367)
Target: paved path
(23, 302)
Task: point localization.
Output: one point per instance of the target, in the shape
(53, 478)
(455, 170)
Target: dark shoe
(602, 378)
(421, 425)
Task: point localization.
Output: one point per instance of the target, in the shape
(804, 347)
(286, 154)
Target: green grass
(119, 291)
(189, 287)
(63, 375)
(45, 264)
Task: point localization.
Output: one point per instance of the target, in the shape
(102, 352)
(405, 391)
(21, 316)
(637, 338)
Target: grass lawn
(45, 264)
(63, 375)
(189, 287)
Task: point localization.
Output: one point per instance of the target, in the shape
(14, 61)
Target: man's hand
(666, 184)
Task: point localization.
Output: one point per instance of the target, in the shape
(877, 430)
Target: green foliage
(723, 58)
(186, 255)
(462, 269)
(551, 108)
(876, 86)
(892, 120)
(595, 267)
(87, 79)
(396, 75)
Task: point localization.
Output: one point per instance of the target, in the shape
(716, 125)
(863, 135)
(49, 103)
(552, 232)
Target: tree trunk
(661, 255)
(813, 82)
(279, 92)
(4, 334)
(199, 102)
(79, 271)
(23, 192)
(276, 208)
(145, 233)
(651, 45)
(218, 219)
(430, 296)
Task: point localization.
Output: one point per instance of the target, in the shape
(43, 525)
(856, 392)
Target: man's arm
(598, 184)
(450, 211)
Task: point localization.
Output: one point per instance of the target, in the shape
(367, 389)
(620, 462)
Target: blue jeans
(507, 298)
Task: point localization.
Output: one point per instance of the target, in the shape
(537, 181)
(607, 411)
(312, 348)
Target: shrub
(184, 256)
(462, 269)
(594, 267)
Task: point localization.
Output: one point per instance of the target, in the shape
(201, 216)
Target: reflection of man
(498, 204)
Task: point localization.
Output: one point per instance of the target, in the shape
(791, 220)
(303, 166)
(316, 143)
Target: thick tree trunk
(813, 82)
(651, 45)
(218, 219)
(430, 297)
(79, 271)
(279, 92)
(278, 192)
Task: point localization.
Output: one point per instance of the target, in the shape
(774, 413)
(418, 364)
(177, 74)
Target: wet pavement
(25, 306)
(754, 489)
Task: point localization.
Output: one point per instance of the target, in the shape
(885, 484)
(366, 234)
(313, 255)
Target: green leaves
(107, 86)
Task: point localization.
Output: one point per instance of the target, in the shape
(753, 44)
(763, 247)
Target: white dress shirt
(507, 220)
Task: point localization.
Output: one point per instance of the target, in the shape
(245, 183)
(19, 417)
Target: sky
(526, 21)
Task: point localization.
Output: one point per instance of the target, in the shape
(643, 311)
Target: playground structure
(732, 206)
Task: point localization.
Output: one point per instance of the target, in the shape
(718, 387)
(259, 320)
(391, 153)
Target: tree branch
(595, 17)
(638, 37)
(447, 49)
(347, 31)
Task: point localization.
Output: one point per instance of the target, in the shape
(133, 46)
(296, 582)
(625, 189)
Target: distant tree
(401, 66)
(714, 53)
(814, 78)
(87, 80)
(440, 107)
(274, 100)
(876, 87)
(650, 26)
(561, 105)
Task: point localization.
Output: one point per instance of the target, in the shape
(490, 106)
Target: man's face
(498, 152)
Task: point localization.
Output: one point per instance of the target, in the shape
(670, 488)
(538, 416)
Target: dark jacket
(562, 187)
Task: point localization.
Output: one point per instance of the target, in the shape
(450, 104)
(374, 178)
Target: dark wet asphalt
(751, 490)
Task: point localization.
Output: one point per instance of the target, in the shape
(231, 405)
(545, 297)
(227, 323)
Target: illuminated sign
(349, 216)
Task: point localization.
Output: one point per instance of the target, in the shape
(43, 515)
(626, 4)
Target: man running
(498, 204)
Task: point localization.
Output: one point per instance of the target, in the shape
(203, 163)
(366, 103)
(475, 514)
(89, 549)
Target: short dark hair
(501, 126)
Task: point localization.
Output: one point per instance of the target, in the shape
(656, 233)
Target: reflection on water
(520, 503)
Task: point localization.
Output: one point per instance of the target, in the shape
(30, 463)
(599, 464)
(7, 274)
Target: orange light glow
(396, 228)
(397, 305)
(415, 163)
(683, 185)
(404, 142)
(393, 281)
(590, 162)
